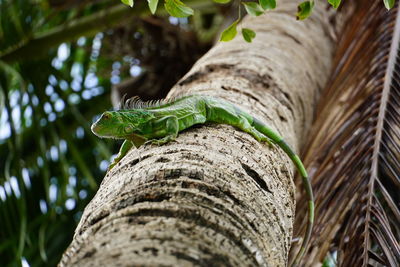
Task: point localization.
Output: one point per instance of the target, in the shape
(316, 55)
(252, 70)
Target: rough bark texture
(216, 196)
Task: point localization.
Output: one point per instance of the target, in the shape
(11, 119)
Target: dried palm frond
(354, 151)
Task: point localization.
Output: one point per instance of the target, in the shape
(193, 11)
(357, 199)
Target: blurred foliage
(50, 162)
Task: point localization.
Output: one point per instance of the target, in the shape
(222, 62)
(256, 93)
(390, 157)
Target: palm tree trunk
(216, 196)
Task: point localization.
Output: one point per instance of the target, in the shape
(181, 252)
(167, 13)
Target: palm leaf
(354, 150)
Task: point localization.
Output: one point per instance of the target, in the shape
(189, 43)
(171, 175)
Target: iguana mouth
(95, 128)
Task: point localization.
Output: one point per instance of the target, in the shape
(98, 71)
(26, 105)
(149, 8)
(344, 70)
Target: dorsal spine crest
(137, 103)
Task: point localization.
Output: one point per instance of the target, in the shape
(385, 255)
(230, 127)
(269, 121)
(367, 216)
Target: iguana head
(121, 124)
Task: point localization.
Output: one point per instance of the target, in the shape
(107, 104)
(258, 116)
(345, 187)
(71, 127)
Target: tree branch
(86, 26)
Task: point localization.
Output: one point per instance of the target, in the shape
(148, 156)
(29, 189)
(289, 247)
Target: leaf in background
(329, 261)
(304, 10)
(354, 147)
(229, 33)
(334, 3)
(153, 6)
(267, 4)
(128, 2)
(253, 9)
(388, 3)
(178, 9)
(222, 1)
(248, 34)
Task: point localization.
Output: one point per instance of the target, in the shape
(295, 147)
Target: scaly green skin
(161, 123)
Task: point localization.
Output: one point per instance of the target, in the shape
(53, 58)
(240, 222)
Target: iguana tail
(278, 140)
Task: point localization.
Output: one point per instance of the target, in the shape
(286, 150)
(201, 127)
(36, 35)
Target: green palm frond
(44, 185)
(41, 170)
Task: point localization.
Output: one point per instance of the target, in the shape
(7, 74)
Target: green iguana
(159, 122)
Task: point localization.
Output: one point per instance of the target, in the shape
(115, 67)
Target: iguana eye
(128, 129)
(106, 116)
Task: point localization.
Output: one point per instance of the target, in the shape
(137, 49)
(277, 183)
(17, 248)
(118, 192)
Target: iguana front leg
(126, 146)
(167, 128)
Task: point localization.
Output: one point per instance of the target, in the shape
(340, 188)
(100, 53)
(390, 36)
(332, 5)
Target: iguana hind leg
(245, 126)
(233, 116)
